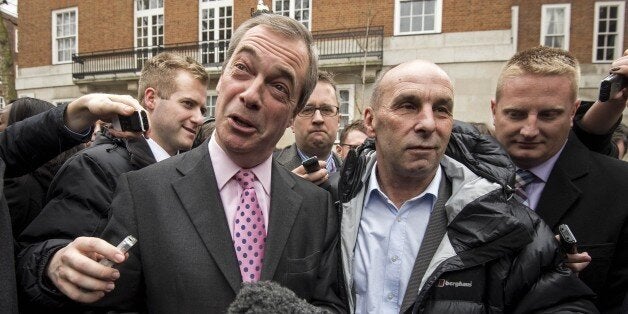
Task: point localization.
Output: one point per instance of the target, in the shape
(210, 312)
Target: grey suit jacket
(289, 157)
(184, 260)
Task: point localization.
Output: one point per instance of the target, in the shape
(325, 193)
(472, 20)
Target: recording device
(567, 240)
(124, 246)
(137, 122)
(610, 85)
(311, 164)
(269, 297)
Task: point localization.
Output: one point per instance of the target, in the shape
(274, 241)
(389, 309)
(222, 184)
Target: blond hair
(544, 61)
(160, 72)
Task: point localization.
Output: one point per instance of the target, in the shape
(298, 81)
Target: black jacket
(497, 256)
(78, 205)
(24, 146)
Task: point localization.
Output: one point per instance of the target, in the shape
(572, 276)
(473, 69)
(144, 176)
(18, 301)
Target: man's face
(257, 93)
(316, 134)
(533, 117)
(4, 117)
(174, 121)
(413, 121)
(354, 139)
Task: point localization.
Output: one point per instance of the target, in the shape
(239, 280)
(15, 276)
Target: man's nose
(530, 128)
(317, 117)
(425, 120)
(252, 95)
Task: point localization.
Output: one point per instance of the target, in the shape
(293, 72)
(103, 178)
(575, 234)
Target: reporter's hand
(620, 66)
(577, 262)
(317, 177)
(86, 110)
(75, 270)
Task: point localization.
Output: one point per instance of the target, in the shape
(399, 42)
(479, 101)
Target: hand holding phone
(567, 240)
(311, 164)
(124, 246)
(610, 85)
(136, 122)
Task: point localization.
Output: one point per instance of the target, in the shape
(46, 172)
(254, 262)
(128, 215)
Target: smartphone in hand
(124, 246)
(137, 122)
(311, 164)
(567, 240)
(610, 85)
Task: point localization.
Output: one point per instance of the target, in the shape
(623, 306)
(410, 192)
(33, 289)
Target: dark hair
(26, 107)
(357, 125)
(204, 131)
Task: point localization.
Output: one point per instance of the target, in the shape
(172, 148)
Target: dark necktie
(522, 179)
(249, 229)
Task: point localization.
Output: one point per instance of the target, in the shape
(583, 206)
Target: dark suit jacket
(589, 192)
(289, 157)
(184, 261)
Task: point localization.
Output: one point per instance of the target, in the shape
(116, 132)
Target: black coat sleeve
(28, 144)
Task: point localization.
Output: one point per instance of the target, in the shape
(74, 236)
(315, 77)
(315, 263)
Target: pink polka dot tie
(249, 232)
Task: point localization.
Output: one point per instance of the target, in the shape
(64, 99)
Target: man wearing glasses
(315, 129)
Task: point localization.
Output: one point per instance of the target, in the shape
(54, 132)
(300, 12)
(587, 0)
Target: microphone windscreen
(269, 297)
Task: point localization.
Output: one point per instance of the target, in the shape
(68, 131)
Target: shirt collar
(543, 170)
(432, 188)
(158, 152)
(227, 168)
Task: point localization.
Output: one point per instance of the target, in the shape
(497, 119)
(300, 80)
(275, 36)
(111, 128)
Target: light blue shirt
(387, 245)
(542, 173)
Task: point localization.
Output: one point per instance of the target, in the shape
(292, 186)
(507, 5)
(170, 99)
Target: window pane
(429, 23)
(404, 24)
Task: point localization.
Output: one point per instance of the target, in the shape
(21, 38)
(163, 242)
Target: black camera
(137, 122)
(610, 85)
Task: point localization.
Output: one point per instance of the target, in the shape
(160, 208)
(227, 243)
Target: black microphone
(269, 297)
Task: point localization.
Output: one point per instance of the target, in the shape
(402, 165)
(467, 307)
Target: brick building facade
(7, 67)
(470, 39)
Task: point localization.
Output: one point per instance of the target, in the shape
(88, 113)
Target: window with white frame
(555, 22)
(418, 16)
(149, 28)
(216, 26)
(299, 10)
(64, 35)
(346, 102)
(210, 105)
(608, 33)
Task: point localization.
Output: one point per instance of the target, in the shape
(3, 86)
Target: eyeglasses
(326, 111)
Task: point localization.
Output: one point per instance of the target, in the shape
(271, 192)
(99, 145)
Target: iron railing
(336, 44)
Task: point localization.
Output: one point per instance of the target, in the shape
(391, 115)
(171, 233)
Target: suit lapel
(285, 204)
(206, 211)
(561, 191)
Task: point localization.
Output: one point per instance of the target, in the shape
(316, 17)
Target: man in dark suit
(196, 244)
(315, 128)
(558, 176)
(28, 144)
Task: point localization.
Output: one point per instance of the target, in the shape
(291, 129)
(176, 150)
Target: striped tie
(522, 179)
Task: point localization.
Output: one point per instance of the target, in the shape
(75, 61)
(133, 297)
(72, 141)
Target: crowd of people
(411, 212)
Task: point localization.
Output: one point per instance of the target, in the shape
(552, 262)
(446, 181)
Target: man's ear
(370, 121)
(493, 109)
(574, 108)
(338, 149)
(150, 95)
